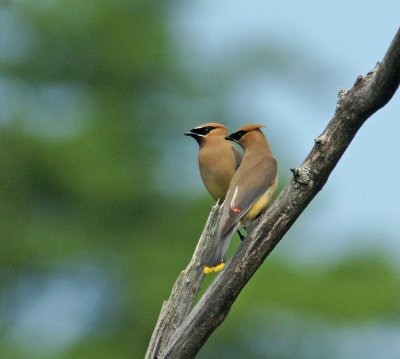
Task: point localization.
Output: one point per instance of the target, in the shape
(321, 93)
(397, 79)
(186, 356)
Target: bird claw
(241, 236)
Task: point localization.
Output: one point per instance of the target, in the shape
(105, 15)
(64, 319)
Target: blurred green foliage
(88, 196)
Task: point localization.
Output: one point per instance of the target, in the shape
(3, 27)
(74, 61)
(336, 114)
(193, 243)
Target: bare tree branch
(353, 108)
(185, 289)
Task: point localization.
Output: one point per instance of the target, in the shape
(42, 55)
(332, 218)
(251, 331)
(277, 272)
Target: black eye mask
(236, 136)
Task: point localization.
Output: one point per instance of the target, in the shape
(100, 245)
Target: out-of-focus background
(101, 202)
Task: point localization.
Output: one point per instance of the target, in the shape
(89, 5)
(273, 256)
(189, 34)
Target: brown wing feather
(260, 175)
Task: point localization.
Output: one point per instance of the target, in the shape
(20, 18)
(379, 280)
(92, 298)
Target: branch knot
(302, 175)
(341, 96)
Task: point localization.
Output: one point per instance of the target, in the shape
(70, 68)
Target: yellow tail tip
(207, 270)
(215, 269)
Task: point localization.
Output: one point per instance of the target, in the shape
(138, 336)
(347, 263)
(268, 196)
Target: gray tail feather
(219, 249)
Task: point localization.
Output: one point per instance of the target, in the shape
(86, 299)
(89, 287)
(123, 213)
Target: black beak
(191, 134)
(229, 138)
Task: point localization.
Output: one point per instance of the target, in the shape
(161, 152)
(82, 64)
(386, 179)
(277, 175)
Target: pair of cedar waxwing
(246, 183)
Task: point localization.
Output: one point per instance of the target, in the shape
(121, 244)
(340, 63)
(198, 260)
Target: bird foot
(241, 236)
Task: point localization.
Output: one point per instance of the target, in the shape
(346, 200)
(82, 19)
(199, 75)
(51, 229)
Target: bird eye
(206, 130)
(238, 135)
(241, 133)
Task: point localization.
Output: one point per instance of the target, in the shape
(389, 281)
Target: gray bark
(354, 107)
(184, 291)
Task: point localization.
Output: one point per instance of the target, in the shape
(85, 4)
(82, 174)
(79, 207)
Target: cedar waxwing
(218, 158)
(250, 191)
